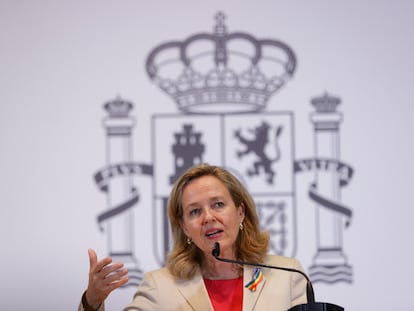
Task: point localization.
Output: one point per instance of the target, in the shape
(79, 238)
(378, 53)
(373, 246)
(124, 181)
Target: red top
(225, 295)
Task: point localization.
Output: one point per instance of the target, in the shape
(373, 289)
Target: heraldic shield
(258, 148)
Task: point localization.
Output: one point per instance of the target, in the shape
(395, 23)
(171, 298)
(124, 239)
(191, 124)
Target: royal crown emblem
(118, 107)
(221, 83)
(221, 72)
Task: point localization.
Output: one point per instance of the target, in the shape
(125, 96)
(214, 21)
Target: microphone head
(216, 250)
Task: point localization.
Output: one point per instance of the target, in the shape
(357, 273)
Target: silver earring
(241, 227)
(189, 241)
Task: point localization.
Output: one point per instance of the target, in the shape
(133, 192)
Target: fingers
(116, 284)
(104, 277)
(110, 278)
(110, 268)
(117, 276)
(94, 265)
(113, 281)
(104, 271)
(93, 259)
(103, 264)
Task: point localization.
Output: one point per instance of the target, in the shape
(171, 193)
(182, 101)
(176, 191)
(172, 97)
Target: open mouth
(214, 233)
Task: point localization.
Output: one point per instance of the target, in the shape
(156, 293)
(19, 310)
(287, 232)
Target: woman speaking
(207, 205)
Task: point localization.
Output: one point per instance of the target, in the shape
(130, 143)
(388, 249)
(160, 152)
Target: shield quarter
(258, 148)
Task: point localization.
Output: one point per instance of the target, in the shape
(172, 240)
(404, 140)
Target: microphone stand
(311, 305)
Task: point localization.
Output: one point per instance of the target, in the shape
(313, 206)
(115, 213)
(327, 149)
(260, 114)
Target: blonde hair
(185, 260)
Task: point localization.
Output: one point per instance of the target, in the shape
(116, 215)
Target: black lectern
(317, 306)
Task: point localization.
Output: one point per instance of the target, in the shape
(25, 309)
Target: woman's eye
(218, 204)
(195, 211)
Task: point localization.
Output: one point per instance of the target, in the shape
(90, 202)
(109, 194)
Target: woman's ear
(242, 211)
(184, 228)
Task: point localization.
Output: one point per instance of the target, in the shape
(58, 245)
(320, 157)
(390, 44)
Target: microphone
(310, 295)
(309, 288)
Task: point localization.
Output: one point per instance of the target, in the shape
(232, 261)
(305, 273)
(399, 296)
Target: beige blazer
(278, 291)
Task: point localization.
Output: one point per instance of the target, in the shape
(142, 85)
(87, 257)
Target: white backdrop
(61, 60)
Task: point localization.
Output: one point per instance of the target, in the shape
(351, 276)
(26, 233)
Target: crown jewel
(326, 103)
(118, 107)
(221, 72)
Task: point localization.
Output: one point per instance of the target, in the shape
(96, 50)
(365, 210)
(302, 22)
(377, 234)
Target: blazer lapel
(250, 297)
(195, 293)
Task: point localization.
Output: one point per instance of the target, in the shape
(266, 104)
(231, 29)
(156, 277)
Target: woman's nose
(208, 216)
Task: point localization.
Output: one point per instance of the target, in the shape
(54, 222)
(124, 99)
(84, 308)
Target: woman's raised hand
(104, 277)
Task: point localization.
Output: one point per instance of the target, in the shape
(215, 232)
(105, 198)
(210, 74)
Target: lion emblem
(257, 146)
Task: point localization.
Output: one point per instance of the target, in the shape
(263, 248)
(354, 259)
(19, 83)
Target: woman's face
(210, 215)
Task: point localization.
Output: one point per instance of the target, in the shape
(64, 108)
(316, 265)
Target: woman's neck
(215, 270)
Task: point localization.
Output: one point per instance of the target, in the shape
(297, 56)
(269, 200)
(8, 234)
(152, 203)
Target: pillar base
(330, 266)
